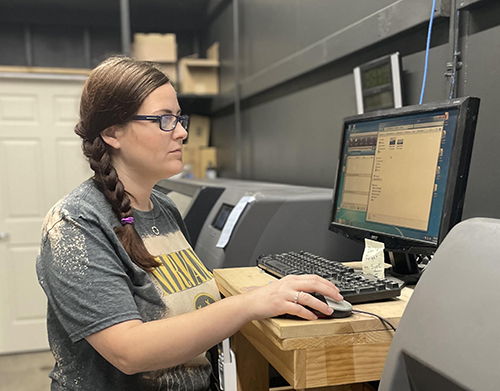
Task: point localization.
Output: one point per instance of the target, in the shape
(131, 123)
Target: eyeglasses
(167, 122)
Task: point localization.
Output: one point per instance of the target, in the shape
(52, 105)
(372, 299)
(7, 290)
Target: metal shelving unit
(76, 36)
(61, 33)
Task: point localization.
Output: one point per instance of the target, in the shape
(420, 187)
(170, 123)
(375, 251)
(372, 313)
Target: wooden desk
(308, 354)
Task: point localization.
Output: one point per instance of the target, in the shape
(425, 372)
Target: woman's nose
(180, 132)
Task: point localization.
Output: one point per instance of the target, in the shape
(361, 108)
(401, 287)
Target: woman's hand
(289, 295)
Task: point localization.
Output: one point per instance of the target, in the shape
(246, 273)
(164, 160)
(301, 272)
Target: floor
(26, 372)
(30, 372)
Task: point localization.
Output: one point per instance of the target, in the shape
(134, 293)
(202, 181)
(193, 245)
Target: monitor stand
(405, 266)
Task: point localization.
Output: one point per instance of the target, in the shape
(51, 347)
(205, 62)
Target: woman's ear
(111, 136)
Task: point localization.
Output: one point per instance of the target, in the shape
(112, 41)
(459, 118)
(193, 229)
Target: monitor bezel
(461, 153)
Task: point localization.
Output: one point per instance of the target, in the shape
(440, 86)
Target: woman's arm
(134, 346)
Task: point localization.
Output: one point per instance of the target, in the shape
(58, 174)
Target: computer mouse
(341, 309)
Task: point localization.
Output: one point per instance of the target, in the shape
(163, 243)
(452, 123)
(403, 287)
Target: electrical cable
(377, 316)
(427, 51)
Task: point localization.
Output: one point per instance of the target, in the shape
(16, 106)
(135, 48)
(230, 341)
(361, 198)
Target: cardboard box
(208, 159)
(190, 156)
(199, 159)
(199, 131)
(155, 47)
(200, 76)
(170, 69)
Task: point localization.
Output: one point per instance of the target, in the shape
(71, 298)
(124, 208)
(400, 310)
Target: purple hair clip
(127, 220)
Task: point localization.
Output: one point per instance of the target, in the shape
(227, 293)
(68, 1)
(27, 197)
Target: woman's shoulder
(86, 201)
(164, 199)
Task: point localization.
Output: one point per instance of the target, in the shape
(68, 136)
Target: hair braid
(113, 189)
(112, 94)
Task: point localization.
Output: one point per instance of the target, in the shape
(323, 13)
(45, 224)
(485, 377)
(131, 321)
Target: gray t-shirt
(92, 284)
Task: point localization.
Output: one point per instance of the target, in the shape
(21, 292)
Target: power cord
(377, 316)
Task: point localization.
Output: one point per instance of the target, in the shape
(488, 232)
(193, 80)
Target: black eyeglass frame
(158, 118)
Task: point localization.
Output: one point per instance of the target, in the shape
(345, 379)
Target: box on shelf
(208, 159)
(170, 69)
(155, 47)
(199, 131)
(189, 156)
(200, 76)
(199, 158)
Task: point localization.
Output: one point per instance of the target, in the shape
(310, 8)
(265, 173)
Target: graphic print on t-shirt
(203, 300)
(184, 281)
(179, 271)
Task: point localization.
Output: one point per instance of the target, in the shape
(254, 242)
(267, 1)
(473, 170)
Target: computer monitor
(402, 177)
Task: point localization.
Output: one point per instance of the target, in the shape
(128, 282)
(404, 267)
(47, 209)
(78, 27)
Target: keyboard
(354, 285)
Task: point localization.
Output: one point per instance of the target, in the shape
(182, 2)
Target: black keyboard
(354, 285)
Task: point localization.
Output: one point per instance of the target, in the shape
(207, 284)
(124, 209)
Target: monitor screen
(402, 174)
(221, 217)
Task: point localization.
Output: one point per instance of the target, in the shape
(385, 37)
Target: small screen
(222, 215)
(393, 174)
(377, 76)
(377, 87)
(378, 84)
(380, 100)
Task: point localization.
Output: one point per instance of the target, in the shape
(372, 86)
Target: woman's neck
(139, 191)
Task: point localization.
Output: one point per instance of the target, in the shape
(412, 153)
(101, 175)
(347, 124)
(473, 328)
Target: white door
(40, 161)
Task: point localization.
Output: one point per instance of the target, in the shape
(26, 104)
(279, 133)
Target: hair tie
(127, 220)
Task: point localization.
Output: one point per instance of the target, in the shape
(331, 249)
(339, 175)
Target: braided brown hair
(112, 95)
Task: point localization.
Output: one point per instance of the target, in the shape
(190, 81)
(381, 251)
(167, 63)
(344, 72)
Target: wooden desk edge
(339, 357)
(279, 329)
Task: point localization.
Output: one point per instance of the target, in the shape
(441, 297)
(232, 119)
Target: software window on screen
(403, 175)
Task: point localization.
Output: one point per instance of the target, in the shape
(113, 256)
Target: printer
(231, 222)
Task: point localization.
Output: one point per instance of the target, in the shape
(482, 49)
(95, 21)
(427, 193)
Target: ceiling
(185, 5)
(166, 15)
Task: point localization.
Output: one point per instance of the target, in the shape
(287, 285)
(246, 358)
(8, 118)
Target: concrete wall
(296, 61)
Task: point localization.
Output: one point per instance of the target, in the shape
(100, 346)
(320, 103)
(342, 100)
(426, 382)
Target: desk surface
(322, 352)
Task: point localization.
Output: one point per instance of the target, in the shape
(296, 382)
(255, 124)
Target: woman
(121, 279)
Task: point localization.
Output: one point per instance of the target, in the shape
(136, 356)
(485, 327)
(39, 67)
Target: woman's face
(147, 153)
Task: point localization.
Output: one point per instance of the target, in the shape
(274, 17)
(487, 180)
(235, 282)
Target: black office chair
(448, 338)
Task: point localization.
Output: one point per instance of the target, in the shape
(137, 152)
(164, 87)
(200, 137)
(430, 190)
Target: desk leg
(252, 368)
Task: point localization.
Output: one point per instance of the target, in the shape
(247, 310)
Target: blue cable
(427, 51)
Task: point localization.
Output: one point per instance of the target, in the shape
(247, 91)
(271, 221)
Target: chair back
(448, 338)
